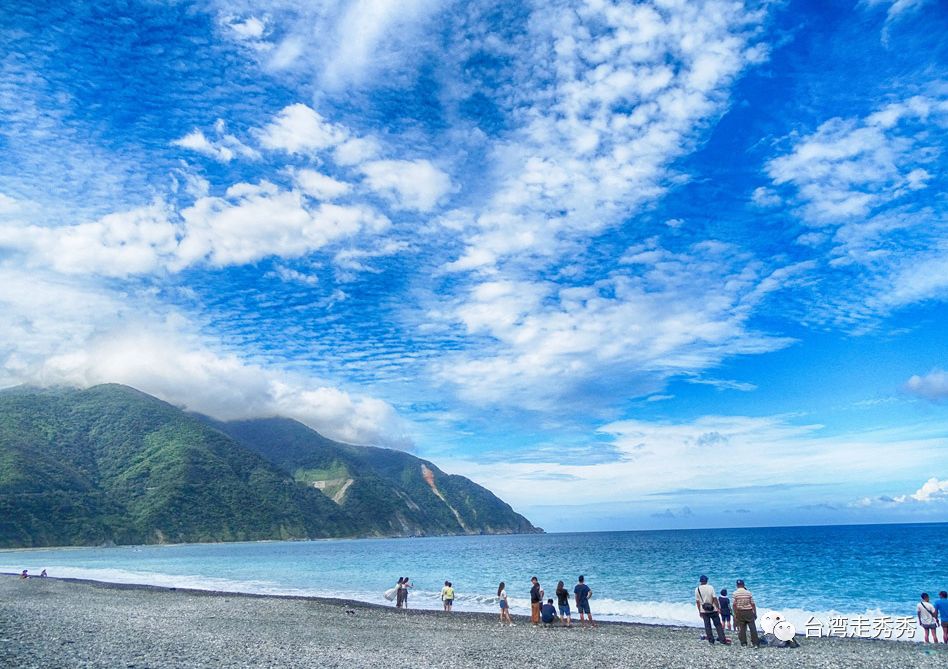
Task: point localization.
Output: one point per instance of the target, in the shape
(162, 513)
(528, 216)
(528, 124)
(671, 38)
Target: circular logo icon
(768, 622)
(784, 630)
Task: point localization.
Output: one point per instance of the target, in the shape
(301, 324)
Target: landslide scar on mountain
(429, 478)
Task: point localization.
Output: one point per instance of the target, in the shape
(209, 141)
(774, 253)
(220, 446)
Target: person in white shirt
(927, 618)
(504, 604)
(707, 602)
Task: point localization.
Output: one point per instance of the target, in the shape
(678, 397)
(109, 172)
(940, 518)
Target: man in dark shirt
(536, 596)
(583, 592)
(548, 613)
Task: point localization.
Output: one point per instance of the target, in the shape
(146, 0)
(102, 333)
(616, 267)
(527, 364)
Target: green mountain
(112, 464)
(386, 492)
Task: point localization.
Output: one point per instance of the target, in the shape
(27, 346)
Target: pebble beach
(48, 622)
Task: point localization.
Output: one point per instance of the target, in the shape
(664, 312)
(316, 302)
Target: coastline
(52, 622)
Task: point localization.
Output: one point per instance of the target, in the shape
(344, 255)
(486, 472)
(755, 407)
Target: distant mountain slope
(386, 492)
(112, 464)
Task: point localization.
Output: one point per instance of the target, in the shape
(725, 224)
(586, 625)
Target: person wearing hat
(707, 602)
(745, 614)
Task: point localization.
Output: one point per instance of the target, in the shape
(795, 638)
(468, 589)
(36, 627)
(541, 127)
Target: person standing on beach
(562, 600)
(710, 610)
(583, 592)
(725, 605)
(536, 596)
(504, 604)
(745, 614)
(942, 607)
(399, 593)
(927, 618)
(447, 596)
(405, 586)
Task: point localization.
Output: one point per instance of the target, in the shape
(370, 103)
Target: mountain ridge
(111, 464)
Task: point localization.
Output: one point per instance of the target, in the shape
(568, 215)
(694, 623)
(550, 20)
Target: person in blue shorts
(562, 600)
(583, 592)
(504, 604)
(725, 604)
(942, 607)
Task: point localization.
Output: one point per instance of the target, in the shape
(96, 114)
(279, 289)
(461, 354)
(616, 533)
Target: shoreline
(62, 622)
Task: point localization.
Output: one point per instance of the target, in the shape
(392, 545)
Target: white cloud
(250, 28)
(723, 384)
(932, 490)
(320, 186)
(764, 197)
(625, 90)
(898, 7)
(856, 181)
(408, 184)
(932, 386)
(669, 314)
(364, 34)
(182, 370)
(657, 460)
(9, 205)
(120, 244)
(256, 221)
(356, 150)
(252, 221)
(289, 274)
(224, 149)
(300, 129)
(849, 167)
(60, 332)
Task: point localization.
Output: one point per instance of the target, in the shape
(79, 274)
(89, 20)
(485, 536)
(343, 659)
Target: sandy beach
(47, 623)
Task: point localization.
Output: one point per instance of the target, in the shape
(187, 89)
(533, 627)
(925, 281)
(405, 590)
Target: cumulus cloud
(250, 222)
(408, 184)
(300, 129)
(932, 386)
(320, 186)
(933, 490)
(254, 221)
(120, 244)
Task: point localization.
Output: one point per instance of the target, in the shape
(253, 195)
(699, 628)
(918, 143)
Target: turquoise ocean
(803, 573)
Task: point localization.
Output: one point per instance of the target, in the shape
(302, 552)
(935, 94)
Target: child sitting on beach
(548, 613)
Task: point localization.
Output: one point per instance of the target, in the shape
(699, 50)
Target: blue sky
(630, 265)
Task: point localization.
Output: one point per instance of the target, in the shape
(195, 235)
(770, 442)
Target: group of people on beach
(931, 616)
(540, 611)
(545, 612)
(717, 609)
(26, 574)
